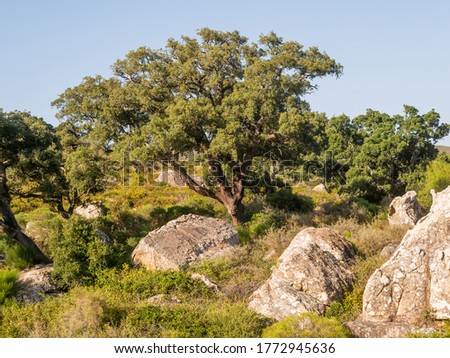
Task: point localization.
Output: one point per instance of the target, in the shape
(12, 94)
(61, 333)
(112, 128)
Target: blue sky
(393, 52)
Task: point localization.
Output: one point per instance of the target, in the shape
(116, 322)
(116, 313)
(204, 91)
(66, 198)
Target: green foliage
(7, 280)
(306, 325)
(78, 253)
(437, 177)
(370, 207)
(285, 199)
(17, 256)
(166, 322)
(382, 154)
(160, 216)
(218, 320)
(140, 283)
(262, 222)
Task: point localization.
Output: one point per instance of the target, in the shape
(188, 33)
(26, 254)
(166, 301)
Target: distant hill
(443, 148)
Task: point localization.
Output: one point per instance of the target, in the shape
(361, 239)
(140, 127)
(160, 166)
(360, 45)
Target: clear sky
(394, 52)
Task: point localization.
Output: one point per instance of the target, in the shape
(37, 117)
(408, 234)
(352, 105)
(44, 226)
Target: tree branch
(191, 183)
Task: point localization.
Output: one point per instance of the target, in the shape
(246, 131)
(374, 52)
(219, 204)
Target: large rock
(362, 328)
(405, 210)
(416, 279)
(184, 240)
(312, 272)
(172, 178)
(90, 210)
(34, 283)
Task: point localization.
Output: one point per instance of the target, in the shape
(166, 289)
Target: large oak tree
(218, 95)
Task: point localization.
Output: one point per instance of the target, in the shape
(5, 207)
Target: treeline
(234, 104)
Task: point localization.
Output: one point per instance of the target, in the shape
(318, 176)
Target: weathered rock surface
(172, 178)
(320, 188)
(91, 210)
(312, 272)
(405, 210)
(416, 279)
(361, 328)
(34, 283)
(184, 240)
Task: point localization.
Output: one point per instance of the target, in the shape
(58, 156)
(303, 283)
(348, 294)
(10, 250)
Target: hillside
(443, 149)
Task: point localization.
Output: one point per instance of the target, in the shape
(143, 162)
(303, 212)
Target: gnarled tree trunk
(230, 195)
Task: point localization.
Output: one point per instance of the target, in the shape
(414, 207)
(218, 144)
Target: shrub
(363, 205)
(260, 223)
(233, 320)
(437, 177)
(7, 280)
(78, 253)
(306, 325)
(285, 199)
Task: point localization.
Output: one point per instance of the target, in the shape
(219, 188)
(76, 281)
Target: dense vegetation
(230, 117)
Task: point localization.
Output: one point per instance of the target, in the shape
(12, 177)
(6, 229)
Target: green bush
(260, 223)
(306, 325)
(7, 280)
(233, 320)
(371, 208)
(285, 199)
(78, 253)
(437, 177)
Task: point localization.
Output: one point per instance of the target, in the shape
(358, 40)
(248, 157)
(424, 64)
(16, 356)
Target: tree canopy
(383, 154)
(218, 94)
